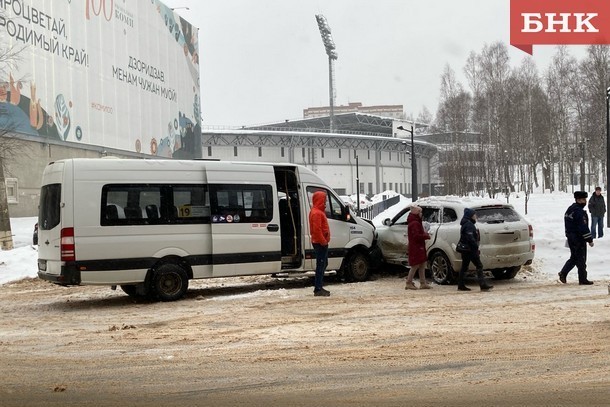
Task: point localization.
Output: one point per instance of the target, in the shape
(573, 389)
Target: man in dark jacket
(469, 237)
(597, 208)
(577, 231)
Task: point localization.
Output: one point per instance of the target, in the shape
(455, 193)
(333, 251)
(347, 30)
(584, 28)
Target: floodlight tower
(329, 45)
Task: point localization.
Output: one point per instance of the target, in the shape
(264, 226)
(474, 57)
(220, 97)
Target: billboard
(118, 74)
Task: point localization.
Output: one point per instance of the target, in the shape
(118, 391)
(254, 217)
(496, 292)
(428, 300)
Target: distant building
(364, 152)
(460, 163)
(392, 111)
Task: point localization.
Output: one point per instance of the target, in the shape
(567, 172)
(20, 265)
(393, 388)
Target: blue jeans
(597, 225)
(321, 263)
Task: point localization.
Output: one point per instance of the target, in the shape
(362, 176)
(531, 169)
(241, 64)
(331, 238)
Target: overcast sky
(263, 61)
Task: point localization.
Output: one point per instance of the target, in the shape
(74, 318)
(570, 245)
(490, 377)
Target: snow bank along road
(261, 341)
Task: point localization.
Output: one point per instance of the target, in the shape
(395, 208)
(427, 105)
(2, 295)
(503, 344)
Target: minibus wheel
(169, 282)
(357, 268)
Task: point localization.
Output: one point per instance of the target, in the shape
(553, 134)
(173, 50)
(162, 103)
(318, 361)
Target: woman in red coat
(417, 248)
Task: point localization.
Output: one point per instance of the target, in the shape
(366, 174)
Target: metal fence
(375, 209)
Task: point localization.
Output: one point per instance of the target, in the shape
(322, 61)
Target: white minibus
(149, 226)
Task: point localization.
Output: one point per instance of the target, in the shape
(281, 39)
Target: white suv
(506, 238)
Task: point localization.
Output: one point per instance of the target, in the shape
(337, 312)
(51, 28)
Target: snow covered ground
(545, 212)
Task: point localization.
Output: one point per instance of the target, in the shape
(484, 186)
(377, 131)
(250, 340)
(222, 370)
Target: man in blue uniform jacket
(577, 230)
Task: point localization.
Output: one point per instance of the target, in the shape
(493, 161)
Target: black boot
(463, 288)
(482, 283)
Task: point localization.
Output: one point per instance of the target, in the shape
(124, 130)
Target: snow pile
(22, 261)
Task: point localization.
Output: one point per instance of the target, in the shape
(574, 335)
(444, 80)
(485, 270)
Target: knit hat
(468, 212)
(580, 195)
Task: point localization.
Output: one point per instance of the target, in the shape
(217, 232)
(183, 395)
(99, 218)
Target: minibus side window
(49, 213)
(334, 209)
(154, 204)
(191, 203)
(241, 203)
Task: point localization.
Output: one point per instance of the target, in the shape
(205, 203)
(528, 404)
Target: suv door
(432, 216)
(393, 238)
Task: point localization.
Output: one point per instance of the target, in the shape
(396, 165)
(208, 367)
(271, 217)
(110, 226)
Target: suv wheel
(440, 268)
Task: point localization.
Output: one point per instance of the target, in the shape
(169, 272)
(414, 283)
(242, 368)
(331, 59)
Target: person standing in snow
(578, 234)
(597, 208)
(417, 237)
(320, 237)
(469, 237)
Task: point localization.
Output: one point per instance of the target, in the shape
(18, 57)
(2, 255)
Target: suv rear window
(49, 209)
(497, 215)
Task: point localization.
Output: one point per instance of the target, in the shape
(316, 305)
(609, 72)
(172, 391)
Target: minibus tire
(357, 268)
(169, 282)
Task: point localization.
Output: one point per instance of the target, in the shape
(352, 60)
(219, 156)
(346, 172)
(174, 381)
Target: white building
(371, 143)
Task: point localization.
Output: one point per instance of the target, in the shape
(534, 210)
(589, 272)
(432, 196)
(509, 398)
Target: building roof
(345, 123)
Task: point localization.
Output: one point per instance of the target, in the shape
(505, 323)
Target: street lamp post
(573, 156)
(413, 165)
(582, 165)
(357, 187)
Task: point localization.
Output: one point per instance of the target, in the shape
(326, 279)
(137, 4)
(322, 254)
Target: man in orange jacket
(320, 236)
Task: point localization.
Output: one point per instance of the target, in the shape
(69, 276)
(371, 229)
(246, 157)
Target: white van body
(151, 225)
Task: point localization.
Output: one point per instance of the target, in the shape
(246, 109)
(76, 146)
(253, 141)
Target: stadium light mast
(331, 51)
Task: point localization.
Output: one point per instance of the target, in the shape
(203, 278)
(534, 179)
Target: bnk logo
(559, 22)
(581, 22)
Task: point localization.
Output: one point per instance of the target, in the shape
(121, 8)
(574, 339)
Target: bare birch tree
(453, 117)
(564, 138)
(10, 55)
(494, 70)
(590, 91)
